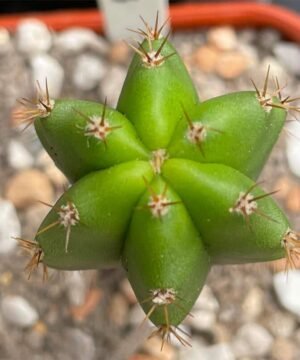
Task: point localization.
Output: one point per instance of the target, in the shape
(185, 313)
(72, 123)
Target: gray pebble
(16, 310)
(88, 72)
(288, 290)
(252, 340)
(288, 54)
(18, 156)
(47, 67)
(33, 37)
(9, 226)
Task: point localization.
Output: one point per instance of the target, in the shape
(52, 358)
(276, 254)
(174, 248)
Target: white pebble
(223, 38)
(88, 72)
(111, 85)
(9, 226)
(75, 40)
(288, 54)
(202, 320)
(46, 67)
(293, 148)
(18, 156)
(5, 42)
(207, 300)
(287, 289)
(33, 37)
(252, 340)
(18, 311)
(220, 351)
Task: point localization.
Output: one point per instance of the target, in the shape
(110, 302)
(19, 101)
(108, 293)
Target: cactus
(164, 185)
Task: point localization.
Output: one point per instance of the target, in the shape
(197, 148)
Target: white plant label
(121, 15)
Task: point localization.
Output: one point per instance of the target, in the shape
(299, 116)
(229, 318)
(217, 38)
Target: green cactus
(164, 185)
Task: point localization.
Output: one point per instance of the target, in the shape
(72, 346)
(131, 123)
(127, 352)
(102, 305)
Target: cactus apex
(291, 244)
(37, 255)
(151, 33)
(265, 97)
(158, 158)
(40, 107)
(158, 203)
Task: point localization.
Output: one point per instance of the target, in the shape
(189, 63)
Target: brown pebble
(206, 58)
(118, 310)
(223, 38)
(153, 347)
(230, 65)
(283, 185)
(28, 187)
(119, 53)
(293, 199)
(283, 349)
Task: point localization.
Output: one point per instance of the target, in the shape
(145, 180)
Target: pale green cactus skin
(164, 185)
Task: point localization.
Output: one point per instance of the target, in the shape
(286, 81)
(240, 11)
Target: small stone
(153, 347)
(18, 156)
(81, 346)
(268, 38)
(16, 310)
(112, 84)
(76, 40)
(293, 148)
(136, 316)
(288, 54)
(88, 72)
(252, 340)
(33, 37)
(283, 184)
(202, 320)
(282, 324)
(5, 41)
(50, 169)
(118, 310)
(283, 349)
(276, 69)
(231, 65)
(253, 303)
(223, 38)
(76, 287)
(27, 187)
(288, 292)
(207, 300)
(247, 36)
(119, 53)
(9, 227)
(220, 351)
(47, 67)
(128, 292)
(143, 357)
(206, 58)
(293, 199)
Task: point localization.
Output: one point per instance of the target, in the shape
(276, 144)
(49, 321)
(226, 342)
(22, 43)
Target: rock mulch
(244, 312)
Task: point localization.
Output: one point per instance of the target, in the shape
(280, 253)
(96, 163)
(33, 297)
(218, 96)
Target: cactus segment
(83, 136)
(159, 83)
(233, 230)
(86, 227)
(235, 130)
(166, 261)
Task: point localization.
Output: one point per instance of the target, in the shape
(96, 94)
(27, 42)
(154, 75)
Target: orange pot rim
(183, 16)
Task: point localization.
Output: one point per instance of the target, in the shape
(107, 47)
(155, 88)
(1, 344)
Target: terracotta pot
(183, 16)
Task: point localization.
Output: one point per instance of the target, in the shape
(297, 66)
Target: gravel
(243, 312)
